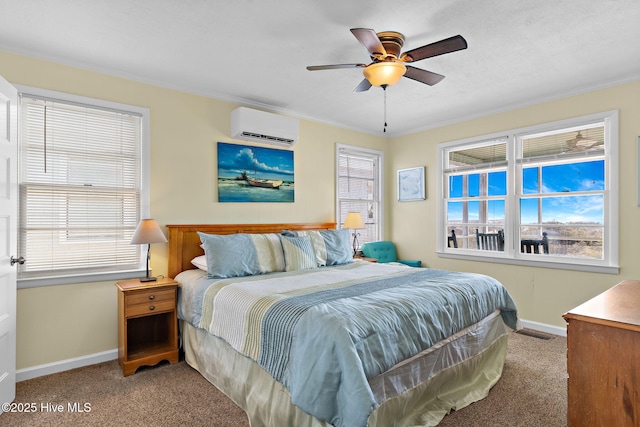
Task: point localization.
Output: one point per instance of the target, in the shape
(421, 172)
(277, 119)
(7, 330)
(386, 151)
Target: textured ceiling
(254, 52)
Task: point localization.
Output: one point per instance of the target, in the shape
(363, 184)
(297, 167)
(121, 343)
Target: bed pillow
(269, 250)
(236, 255)
(200, 262)
(298, 253)
(331, 247)
(317, 242)
(337, 246)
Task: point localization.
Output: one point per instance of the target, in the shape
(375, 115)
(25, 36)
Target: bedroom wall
(542, 295)
(58, 323)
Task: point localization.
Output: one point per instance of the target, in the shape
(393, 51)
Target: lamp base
(148, 279)
(356, 244)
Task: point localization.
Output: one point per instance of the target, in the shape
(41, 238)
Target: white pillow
(200, 262)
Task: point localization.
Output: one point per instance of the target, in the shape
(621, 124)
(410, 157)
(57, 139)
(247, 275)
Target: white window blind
(358, 182)
(80, 188)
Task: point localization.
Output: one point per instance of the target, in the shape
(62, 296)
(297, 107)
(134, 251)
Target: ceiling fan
(389, 64)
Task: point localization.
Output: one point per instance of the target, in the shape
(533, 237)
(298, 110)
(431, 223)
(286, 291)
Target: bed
(349, 343)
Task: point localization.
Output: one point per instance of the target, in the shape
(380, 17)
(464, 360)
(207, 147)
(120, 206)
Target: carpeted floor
(532, 392)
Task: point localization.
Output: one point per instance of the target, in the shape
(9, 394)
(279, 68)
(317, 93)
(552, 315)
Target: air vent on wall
(259, 126)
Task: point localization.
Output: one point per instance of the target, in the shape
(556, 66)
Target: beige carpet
(531, 392)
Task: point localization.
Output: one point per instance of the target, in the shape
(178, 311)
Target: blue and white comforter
(323, 333)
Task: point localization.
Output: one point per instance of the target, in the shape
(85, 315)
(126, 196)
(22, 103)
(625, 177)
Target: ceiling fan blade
(369, 40)
(451, 44)
(333, 67)
(363, 86)
(423, 76)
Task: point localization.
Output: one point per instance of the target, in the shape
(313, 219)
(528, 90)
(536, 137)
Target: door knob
(19, 260)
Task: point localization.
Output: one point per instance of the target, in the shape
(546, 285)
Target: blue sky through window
(562, 178)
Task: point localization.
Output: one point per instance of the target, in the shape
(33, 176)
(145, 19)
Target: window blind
(358, 182)
(80, 188)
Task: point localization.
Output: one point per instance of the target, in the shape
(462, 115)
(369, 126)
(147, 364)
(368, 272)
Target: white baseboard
(543, 327)
(65, 365)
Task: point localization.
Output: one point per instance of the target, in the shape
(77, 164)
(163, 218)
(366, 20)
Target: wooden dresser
(603, 359)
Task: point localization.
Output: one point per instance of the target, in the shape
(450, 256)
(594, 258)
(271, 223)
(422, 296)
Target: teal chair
(386, 252)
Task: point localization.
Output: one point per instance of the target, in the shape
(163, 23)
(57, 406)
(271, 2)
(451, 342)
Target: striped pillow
(298, 253)
(332, 247)
(269, 252)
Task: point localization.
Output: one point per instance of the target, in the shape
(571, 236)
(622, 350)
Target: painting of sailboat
(263, 183)
(254, 174)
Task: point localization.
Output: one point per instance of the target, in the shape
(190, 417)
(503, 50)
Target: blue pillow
(236, 255)
(298, 253)
(338, 246)
(331, 247)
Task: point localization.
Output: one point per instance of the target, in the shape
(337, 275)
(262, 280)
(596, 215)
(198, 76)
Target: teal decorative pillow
(298, 253)
(237, 255)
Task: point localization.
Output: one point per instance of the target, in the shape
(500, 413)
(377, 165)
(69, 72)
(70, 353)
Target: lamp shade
(384, 73)
(148, 231)
(353, 221)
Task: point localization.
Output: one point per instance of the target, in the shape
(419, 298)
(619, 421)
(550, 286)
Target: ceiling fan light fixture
(384, 73)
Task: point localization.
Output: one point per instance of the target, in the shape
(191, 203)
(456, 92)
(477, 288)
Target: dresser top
(620, 305)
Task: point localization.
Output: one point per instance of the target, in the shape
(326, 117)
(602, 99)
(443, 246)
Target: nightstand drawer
(150, 296)
(149, 307)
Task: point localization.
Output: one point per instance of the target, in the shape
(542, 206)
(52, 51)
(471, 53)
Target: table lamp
(148, 232)
(354, 221)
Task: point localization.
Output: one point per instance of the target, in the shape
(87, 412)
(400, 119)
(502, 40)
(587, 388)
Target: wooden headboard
(184, 242)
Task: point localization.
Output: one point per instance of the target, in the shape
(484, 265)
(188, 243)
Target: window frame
(379, 229)
(144, 208)
(511, 255)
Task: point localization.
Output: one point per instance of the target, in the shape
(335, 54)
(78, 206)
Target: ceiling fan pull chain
(384, 88)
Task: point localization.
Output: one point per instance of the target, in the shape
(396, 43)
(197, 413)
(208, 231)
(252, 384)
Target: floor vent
(535, 334)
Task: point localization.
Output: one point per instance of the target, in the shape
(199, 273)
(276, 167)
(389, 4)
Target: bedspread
(324, 333)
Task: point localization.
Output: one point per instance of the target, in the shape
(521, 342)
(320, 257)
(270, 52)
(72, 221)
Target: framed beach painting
(411, 184)
(254, 174)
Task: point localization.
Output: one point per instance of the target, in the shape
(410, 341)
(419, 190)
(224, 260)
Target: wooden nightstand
(147, 323)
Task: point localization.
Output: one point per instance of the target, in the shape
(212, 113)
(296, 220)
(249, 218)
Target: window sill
(604, 269)
(37, 282)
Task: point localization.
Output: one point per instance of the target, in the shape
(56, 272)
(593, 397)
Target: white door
(8, 238)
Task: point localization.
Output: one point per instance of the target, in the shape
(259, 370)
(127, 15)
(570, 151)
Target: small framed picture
(411, 184)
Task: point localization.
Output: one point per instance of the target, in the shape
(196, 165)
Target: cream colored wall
(542, 295)
(61, 322)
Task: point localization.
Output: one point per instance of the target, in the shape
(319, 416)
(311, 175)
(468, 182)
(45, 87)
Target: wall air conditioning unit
(267, 128)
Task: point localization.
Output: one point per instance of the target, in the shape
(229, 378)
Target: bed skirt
(420, 391)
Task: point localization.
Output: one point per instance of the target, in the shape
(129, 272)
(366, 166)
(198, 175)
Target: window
(82, 188)
(359, 188)
(547, 192)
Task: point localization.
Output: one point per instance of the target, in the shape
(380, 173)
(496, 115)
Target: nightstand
(366, 259)
(147, 323)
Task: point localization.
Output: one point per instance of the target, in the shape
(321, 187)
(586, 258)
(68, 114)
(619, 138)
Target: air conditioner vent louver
(267, 138)
(259, 126)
